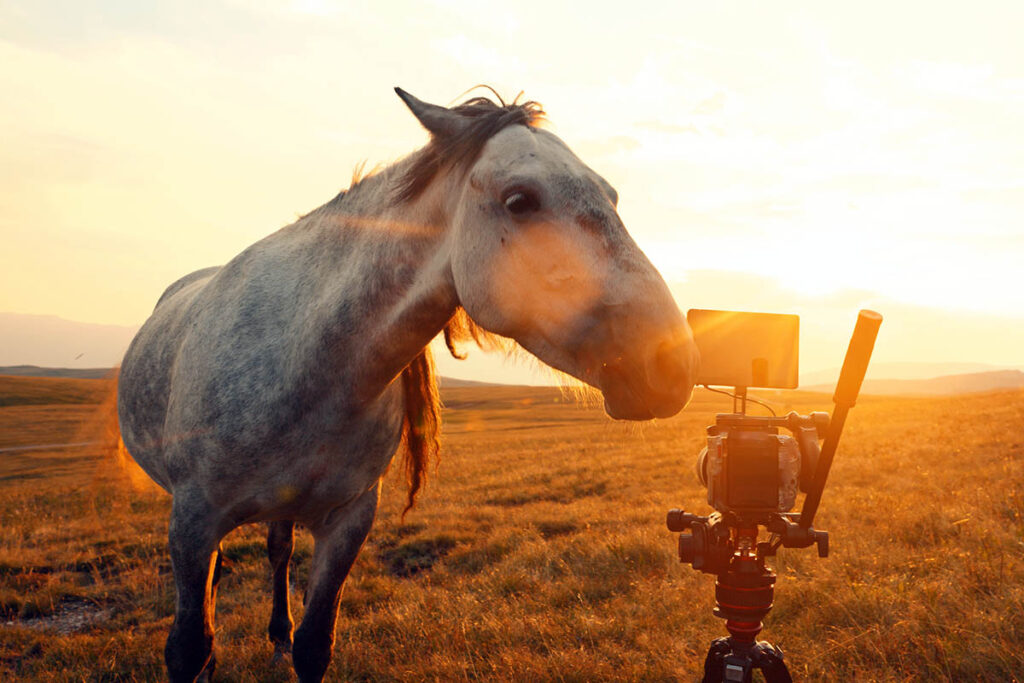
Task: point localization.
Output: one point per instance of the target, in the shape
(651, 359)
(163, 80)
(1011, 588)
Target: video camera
(753, 474)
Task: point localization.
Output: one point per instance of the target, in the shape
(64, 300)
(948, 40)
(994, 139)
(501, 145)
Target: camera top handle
(862, 343)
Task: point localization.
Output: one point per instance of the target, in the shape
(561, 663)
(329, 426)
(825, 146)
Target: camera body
(751, 470)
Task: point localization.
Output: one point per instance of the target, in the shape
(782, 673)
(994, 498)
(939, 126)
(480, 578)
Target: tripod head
(753, 474)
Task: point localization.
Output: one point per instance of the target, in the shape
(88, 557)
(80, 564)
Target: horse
(277, 388)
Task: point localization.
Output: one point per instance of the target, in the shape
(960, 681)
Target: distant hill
(452, 382)
(946, 385)
(905, 370)
(103, 373)
(51, 341)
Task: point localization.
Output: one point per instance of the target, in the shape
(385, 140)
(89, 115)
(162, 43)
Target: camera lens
(687, 548)
(702, 466)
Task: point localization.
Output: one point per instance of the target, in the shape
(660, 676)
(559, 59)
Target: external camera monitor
(746, 349)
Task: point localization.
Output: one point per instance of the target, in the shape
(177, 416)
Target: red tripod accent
(744, 594)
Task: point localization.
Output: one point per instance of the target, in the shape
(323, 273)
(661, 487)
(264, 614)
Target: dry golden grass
(538, 552)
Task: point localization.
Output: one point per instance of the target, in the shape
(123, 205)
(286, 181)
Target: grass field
(538, 551)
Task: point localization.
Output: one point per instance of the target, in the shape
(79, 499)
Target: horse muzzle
(657, 387)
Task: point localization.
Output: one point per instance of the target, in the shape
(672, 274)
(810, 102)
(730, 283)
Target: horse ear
(440, 121)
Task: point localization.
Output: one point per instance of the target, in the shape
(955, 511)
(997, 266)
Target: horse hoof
(280, 652)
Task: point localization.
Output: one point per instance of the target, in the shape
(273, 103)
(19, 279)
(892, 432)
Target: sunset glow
(865, 153)
(562, 336)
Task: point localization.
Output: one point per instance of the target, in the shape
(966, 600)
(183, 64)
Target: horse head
(539, 254)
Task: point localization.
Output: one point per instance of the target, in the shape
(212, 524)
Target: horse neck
(388, 288)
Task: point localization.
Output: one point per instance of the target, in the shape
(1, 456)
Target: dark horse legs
(338, 542)
(194, 556)
(280, 543)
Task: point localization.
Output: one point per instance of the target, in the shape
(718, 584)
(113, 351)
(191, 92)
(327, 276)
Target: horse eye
(521, 203)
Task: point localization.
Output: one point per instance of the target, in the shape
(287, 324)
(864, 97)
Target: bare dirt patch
(72, 617)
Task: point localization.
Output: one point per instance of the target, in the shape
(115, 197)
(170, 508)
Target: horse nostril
(670, 369)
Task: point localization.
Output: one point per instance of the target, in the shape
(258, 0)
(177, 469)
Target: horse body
(277, 353)
(274, 388)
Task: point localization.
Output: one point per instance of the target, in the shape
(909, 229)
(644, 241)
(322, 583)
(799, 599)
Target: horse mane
(462, 328)
(421, 423)
(485, 118)
(422, 420)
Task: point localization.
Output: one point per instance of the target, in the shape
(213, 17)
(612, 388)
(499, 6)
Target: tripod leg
(769, 660)
(714, 663)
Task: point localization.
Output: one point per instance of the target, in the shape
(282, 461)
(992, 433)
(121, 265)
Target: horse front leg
(194, 551)
(280, 543)
(337, 543)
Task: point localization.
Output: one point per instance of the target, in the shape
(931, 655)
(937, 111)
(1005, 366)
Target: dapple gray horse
(278, 387)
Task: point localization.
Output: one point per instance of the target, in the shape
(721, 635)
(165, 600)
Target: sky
(833, 155)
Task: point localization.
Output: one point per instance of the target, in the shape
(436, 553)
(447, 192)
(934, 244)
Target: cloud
(467, 51)
(756, 137)
(670, 128)
(711, 106)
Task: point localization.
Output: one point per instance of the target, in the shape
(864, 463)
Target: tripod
(744, 595)
(750, 481)
(726, 545)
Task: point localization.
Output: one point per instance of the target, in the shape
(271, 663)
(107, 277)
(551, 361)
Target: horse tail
(104, 430)
(421, 423)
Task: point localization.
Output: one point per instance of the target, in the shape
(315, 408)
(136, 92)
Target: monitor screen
(746, 349)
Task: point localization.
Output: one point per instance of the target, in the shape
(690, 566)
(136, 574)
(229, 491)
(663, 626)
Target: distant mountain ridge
(49, 341)
(905, 370)
(453, 382)
(947, 385)
(102, 373)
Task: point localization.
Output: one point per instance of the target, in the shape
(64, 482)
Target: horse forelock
(485, 118)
